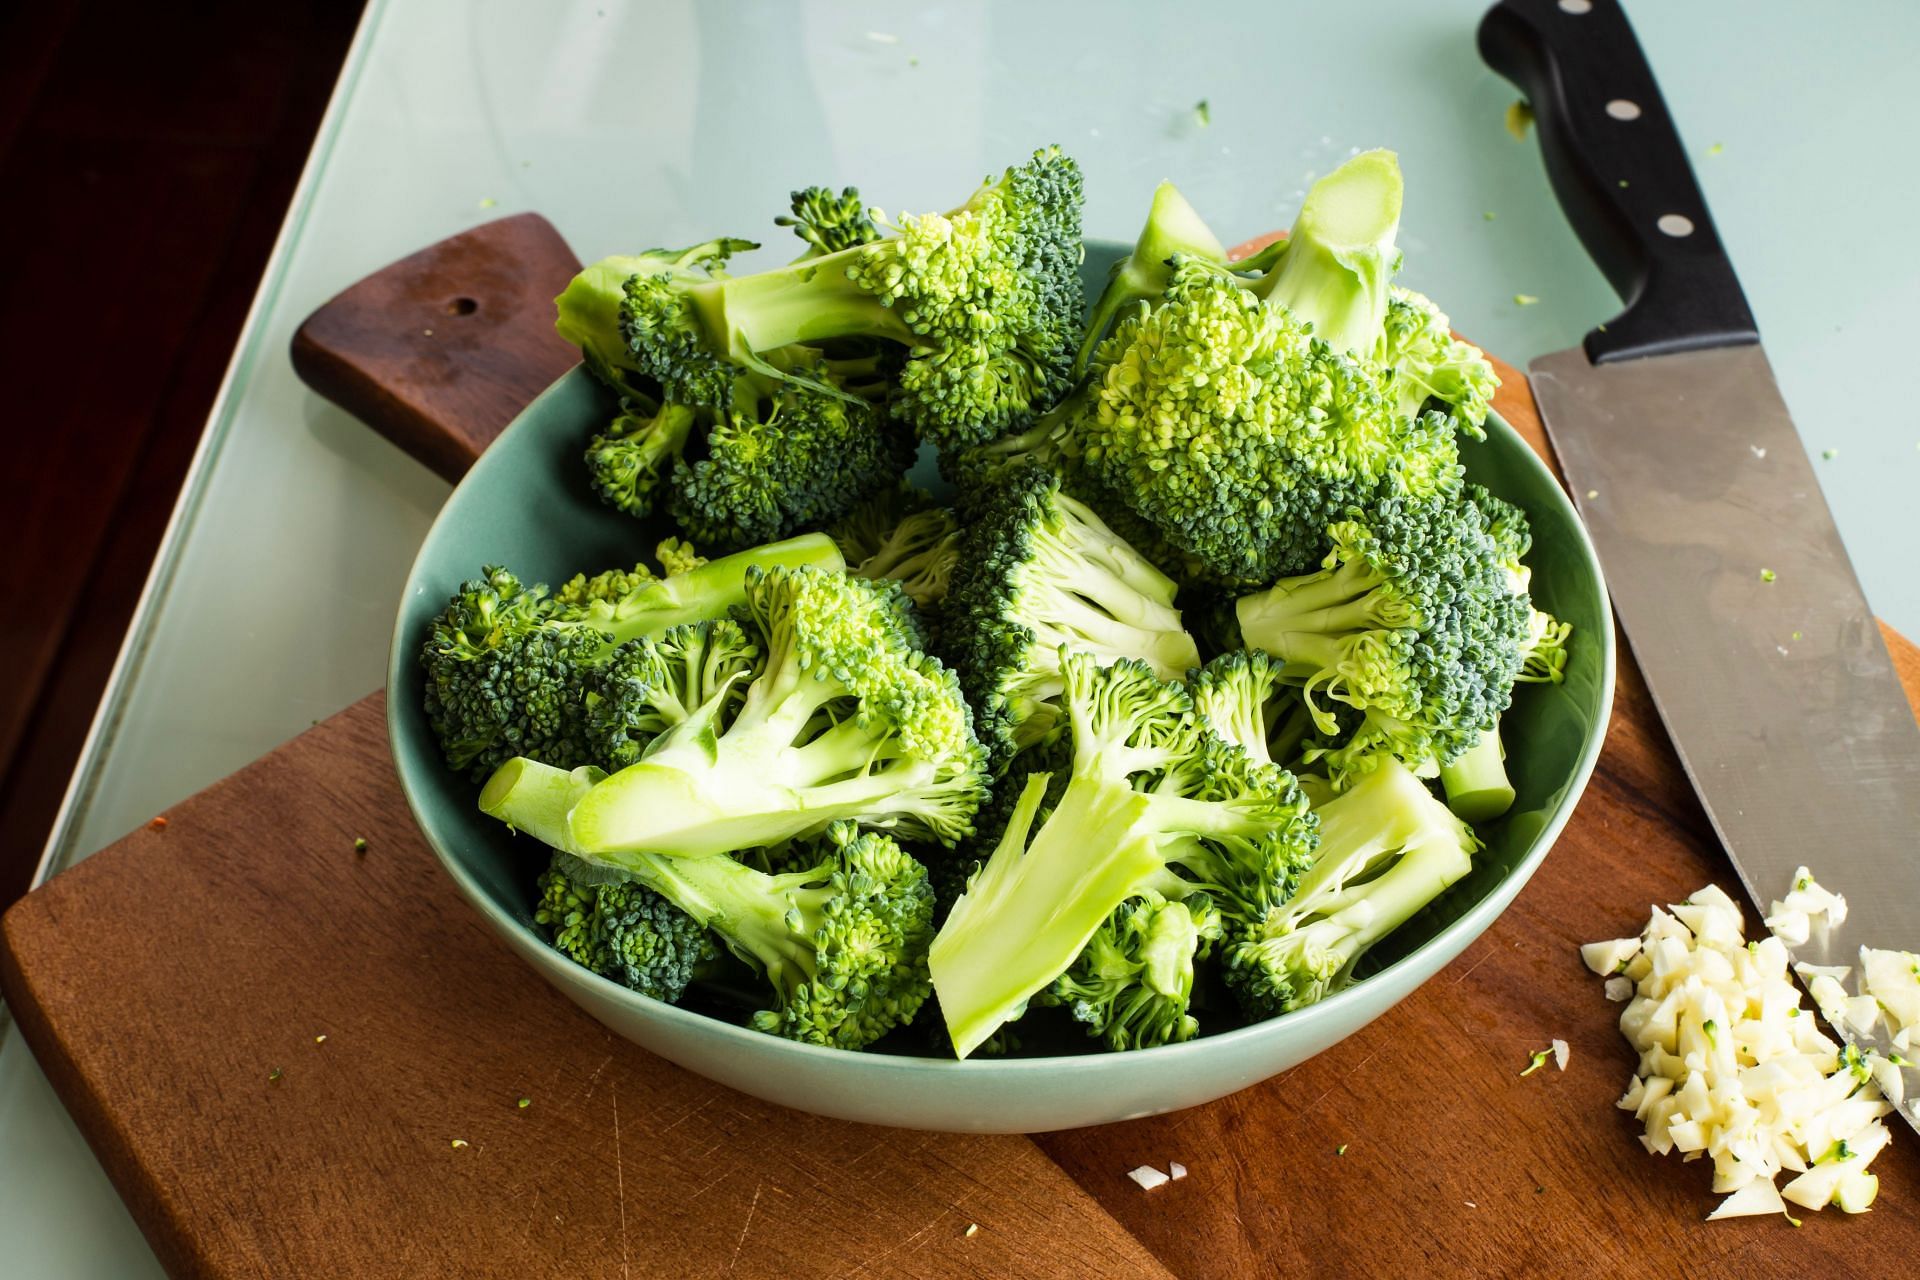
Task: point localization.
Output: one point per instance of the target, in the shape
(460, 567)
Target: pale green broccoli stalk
(1039, 575)
(509, 667)
(1476, 781)
(1413, 622)
(1173, 228)
(1387, 849)
(1154, 802)
(846, 719)
(1132, 986)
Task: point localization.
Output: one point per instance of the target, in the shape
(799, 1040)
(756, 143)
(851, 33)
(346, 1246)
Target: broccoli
(1428, 369)
(1173, 227)
(1413, 621)
(1387, 849)
(828, 222)
(619, 929)
(508, 665)
(1476, 782)
(982, 306)
(841, 943)
(1241, 416)
(736, 454)
(1154, 803)
(648, 685)
(846, 718)
(901, 534)
(1038, 573)
(1133, 982)
(1246, 697)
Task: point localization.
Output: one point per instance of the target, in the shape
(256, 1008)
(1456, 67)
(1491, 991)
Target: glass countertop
(636, 125)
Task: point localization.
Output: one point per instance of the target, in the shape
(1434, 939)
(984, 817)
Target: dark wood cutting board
(174, 987)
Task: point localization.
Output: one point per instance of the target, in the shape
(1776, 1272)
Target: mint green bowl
(526, 504)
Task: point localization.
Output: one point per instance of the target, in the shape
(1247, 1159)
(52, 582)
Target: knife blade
(1725, 567)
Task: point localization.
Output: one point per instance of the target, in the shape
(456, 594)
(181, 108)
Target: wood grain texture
(439, 351)
(163, 981)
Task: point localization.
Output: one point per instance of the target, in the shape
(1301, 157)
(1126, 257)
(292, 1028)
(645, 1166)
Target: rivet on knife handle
(1621, 173)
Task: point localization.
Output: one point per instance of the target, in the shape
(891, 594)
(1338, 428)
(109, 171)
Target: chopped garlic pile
(1733, 1068)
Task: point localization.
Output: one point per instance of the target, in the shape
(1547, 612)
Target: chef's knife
(1722, 558)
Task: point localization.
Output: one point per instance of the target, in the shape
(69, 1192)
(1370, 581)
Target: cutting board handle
(1617, 163)
(441, 350)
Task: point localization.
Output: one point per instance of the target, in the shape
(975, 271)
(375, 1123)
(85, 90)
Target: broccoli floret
(1247, 699)
(842, 943)
(983, 303)
(649, 685)
(508, 665)
(1173, 227)
(620, 929)
(1413, 621)
(1133, 983)
(1387, 849)
(1154, 803)
(846, 719)
(901, 534)
(1476, 782)
(1040, 573)
(829, 222)
(1240, 417)
(1427, 368)
(736, 453)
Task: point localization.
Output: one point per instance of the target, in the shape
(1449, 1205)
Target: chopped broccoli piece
(846, 719)
(1387, 849)
(1173, 228)
(1154, 802)
(1428, 369)
(1246, 697)
(901, 534)
(652, 684)
(1133, 983)
(508, 666)
(620, 929)
(829, 222)
(1040, 574)
(1413, 621)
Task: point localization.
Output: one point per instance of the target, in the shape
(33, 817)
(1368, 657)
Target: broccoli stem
(1350, 597)
(1173, 227)
(536, 798)
(1032, 909)
(705, 592)
(807, 302)
(1340, 253)
(1476, 781)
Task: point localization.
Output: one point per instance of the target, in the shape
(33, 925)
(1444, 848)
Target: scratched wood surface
(162, 1043)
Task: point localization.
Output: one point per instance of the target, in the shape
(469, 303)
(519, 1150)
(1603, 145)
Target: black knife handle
(1621, 172)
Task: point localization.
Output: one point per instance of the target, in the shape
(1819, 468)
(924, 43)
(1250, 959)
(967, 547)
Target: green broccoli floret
(1133, 983)
(1246, 697)
(829, 222)
(983, 303)
(1240, 417)
(649, 685)
(1427, 368)
(846, 719)
(842, 944)
(1154, 803)
(1038, 574)
(1476, 782)
(508, 665)
(900, 533)
(1173, 228)
(620, 929)
(736, 454)
(1413, 621)
(1387, 849)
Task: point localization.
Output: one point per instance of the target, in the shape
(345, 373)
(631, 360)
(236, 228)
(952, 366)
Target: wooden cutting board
(176, 985)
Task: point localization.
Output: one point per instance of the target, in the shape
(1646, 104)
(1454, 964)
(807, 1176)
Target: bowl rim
(1452, 938)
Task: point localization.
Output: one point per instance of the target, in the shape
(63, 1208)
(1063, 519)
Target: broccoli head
(509, 665)
(1040, 574)
(828, 222)
(1428, 369)
(1154, 803)
(620, 929)
(1133, 983)
(1413, 622)
(845, 719)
